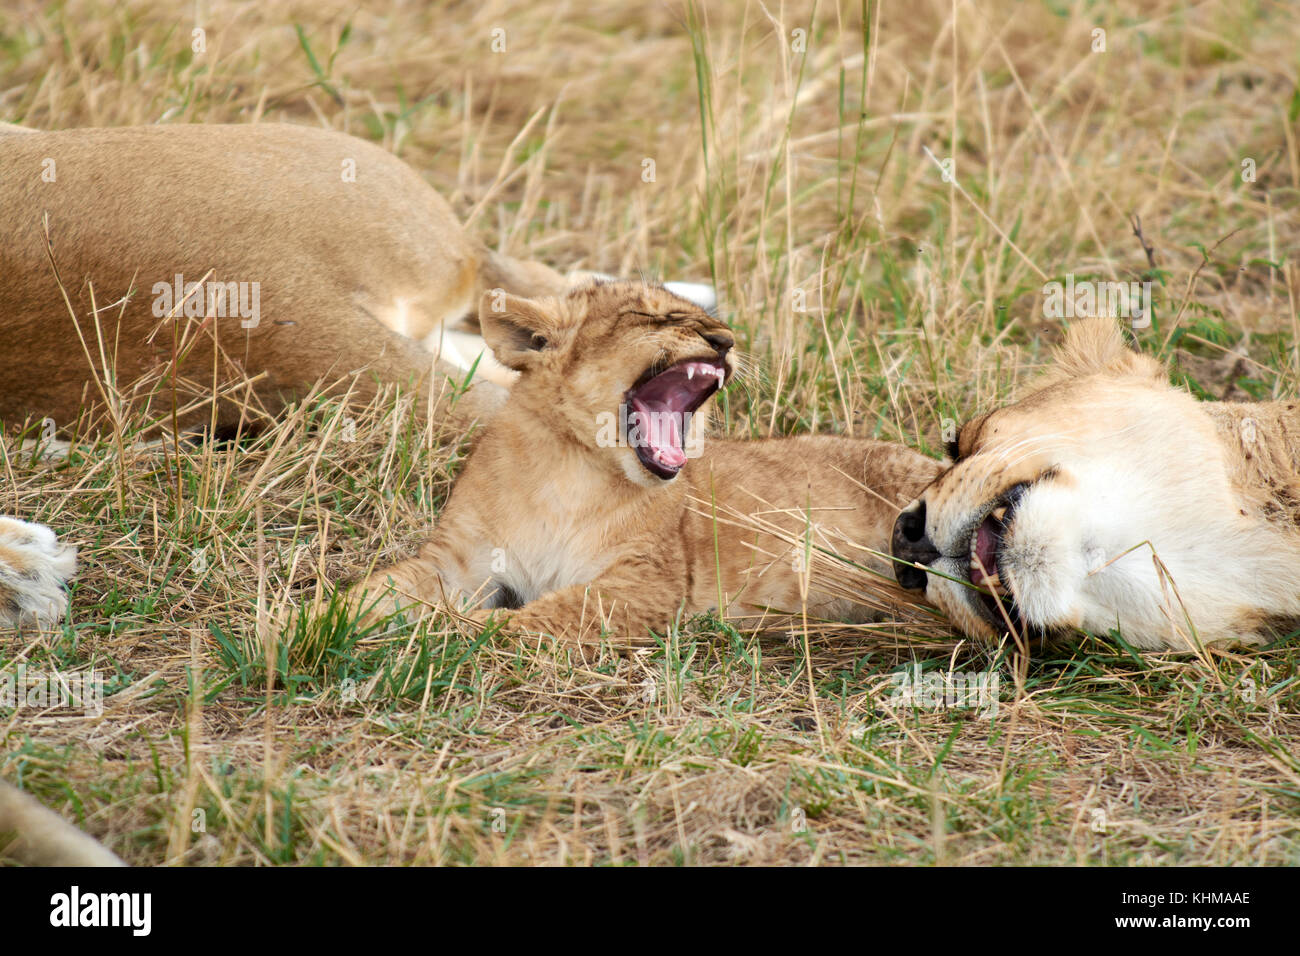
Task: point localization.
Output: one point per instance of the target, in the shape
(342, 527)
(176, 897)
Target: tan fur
(586, 537)
(352, 275)
(1177, 521)
(37, 836)
(33, 568)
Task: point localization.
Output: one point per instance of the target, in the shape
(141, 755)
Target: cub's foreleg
(625, 604)
(440, 574)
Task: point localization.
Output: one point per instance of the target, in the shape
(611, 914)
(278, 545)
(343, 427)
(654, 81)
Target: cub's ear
(518, 331)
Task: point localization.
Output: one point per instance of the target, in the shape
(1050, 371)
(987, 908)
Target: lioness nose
(911, 544)
(722, 341)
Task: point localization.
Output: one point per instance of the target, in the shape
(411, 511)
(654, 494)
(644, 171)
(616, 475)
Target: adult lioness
(591, 502)
(319, 254)
(298, 254)
(1108, 498)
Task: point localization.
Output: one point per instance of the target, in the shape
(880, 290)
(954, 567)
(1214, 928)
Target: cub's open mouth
(658, 407)
(986, 560)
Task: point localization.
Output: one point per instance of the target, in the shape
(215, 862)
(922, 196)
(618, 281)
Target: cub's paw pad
(34, 566)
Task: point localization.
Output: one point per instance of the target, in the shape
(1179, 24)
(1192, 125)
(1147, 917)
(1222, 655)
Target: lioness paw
(34, 566)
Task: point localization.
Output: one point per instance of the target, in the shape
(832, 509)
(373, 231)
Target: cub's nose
(722, 341)
(911, 544)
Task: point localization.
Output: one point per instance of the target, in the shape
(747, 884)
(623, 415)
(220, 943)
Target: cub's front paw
(34, 566)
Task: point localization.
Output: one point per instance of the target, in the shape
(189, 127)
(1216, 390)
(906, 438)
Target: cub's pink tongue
(986, 550)
(662, 433)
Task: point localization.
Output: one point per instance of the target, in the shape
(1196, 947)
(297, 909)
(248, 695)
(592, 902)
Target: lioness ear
(1097, 345)
(518, 331)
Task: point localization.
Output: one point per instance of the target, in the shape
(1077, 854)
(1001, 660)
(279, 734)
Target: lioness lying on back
(1108, 498)
(580, 532)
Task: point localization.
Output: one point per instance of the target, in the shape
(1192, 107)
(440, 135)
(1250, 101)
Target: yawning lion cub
(590, 503)
(1108, 498)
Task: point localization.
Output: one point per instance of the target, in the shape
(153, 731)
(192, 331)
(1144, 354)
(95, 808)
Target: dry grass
(801, 176)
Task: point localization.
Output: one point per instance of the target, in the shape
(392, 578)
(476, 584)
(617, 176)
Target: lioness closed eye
(591, 503)
(1108, 498)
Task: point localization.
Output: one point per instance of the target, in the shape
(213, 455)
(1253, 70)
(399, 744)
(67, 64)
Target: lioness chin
(1107, 498)
(592, 505)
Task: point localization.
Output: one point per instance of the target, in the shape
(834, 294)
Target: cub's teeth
(721, 375)
(1000, 513)
(690, 372)
(993, 582)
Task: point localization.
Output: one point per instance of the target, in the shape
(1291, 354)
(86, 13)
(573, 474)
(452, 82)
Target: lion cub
(591, 505)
